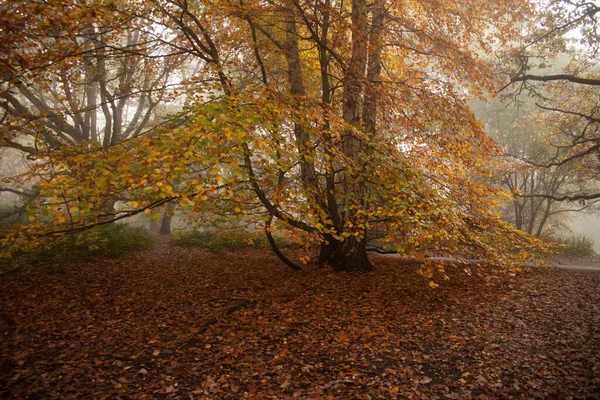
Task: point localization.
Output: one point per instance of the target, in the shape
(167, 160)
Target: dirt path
(576, 263)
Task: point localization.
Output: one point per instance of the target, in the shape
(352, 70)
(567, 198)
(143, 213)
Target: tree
(568, 97)
(102, 99)
(327, 119)
(526, 137)
(102, 83)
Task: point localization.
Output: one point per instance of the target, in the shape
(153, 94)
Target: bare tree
(569, 95)
(524, 137)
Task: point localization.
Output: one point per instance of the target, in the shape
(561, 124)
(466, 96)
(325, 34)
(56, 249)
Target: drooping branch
(272, 209)
(116, 217)
(575, 113)
(275, 249)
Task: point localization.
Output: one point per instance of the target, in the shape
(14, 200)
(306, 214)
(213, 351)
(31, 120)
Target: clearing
(185, 323)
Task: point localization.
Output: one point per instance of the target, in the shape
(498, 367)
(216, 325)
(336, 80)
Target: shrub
(110, 240)
(11, 213)
(576, 245)
(219, 241)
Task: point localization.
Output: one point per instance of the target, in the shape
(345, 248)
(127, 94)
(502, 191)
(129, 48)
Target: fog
(587, 225)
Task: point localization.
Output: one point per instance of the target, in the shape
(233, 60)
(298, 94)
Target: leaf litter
(181, 323)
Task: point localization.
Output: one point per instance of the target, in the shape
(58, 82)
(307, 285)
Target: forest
(299, 199)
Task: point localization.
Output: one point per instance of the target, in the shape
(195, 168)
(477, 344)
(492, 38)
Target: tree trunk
(153, 227)
(351, 256)
(329, 248)
(165, 224)
(542, 223)
(303, 140)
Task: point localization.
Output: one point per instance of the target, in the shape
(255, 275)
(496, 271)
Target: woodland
(349, 198)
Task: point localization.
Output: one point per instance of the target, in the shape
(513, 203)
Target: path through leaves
(180, 323)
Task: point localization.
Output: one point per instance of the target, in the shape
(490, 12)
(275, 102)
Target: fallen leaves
(195, 324)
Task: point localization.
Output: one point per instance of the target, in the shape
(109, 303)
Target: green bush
(226, 240)
(11, 213)
(110, 240)
(576, 245)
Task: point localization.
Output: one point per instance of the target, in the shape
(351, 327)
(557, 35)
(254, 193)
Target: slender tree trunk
(165, 224)
(153, 226)
(518, 215)
(309, 176)
(330, 245)
(351, 255)
(167, 218)
(532, 207)
(542, 223)
(303, 140)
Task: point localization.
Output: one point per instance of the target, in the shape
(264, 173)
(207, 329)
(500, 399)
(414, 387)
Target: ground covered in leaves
(184, 323)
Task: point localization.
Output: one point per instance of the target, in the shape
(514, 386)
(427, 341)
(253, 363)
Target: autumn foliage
(336, 122)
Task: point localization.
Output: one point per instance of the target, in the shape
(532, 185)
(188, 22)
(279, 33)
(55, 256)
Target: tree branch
(577, 197)
(275, 249)
(558, 77)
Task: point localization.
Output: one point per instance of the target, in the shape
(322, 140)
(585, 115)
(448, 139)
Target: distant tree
(569, 98)
(99, 81)
(102, 98)
(527, 138)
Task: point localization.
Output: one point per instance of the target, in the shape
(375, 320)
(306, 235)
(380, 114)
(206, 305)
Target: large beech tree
(333, 120)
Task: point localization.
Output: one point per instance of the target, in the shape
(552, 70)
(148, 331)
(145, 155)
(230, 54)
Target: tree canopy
(343, 123)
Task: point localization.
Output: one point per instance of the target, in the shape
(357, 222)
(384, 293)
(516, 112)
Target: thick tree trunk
(351, 256)
(348, 256)
(328, 250)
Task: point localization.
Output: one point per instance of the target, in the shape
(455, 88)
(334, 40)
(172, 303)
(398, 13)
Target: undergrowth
(219, 241)
(576, 245)
(111, 240)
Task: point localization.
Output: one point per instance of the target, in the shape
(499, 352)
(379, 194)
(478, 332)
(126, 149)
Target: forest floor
(185, 323)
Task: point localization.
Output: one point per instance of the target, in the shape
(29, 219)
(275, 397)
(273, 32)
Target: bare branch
(558, 77)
